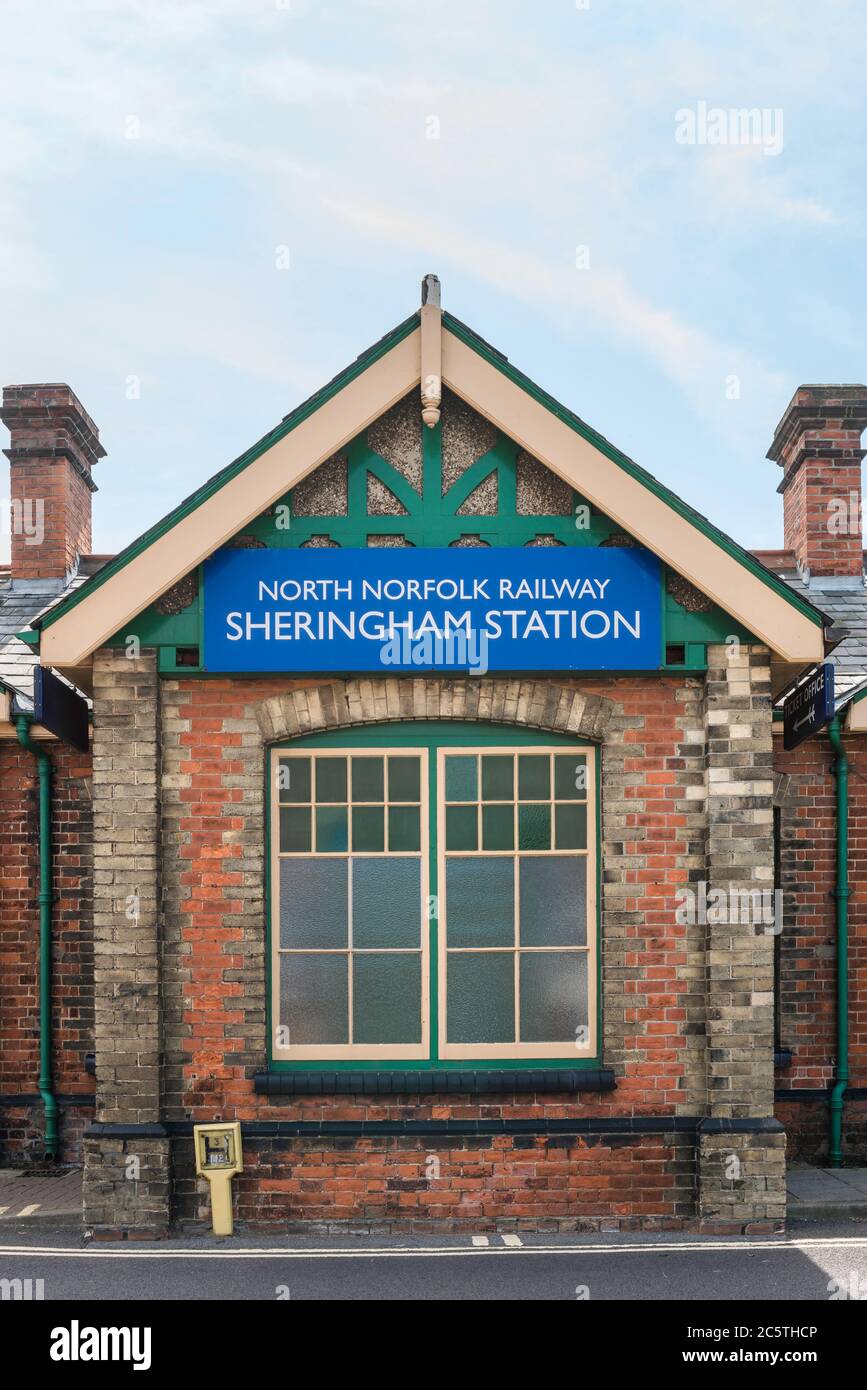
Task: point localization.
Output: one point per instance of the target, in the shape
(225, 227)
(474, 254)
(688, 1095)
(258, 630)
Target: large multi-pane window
(433, 902)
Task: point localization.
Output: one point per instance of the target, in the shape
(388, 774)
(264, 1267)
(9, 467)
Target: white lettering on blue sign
(550, 609)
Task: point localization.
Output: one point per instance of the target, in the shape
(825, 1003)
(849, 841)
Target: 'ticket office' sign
(409, 610)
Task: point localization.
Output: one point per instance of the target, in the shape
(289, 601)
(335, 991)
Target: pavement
(826, 1263)
(816, 1194)
(51, 1197)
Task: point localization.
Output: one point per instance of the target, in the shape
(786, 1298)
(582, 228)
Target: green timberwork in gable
(431, 519)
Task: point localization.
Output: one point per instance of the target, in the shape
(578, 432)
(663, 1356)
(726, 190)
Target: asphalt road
(814, 1263)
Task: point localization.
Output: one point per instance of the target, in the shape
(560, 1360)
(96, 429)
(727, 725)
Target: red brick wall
(450, 1184)
(808, 956)
(209, 1064)
(72, 1012)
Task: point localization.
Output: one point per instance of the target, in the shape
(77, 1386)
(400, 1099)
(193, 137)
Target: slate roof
(845, 607)
(20, 603)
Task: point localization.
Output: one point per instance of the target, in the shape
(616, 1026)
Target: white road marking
(28, 1211)
(513, 1241)
(481, 1240)
(710, 1246)
(3, 1209)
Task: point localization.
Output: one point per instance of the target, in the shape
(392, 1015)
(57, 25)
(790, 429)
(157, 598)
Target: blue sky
(155, 158)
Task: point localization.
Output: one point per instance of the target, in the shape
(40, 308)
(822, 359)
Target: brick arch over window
(543, 704)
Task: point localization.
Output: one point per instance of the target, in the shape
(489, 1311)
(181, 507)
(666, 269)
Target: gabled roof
(788, 622)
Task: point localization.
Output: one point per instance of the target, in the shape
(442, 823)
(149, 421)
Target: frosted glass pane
(386, 999)
(293, 779)
(534, 827)
(386, 902)
(295, 830)
(498, 778)
(461, 827)
(330, 779)
(570, 777)
(462, 782)
(553, 990)
(314, 999)
(553, 901)
(534, 777)
(404, 829)
(368, 828)
(314, 904)
(368, 779)
(332, 829)
(404, 779)
(481, 997)
(480, 901)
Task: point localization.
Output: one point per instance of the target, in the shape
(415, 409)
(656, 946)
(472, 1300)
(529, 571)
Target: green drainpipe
(841, 893)
(46, 898)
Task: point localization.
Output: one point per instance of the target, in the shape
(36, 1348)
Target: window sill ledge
(431, 1082)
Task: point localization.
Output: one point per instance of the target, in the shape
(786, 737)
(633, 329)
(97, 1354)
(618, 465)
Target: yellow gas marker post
(219, 1158)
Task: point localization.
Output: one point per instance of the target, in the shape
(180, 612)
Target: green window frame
(356, 855)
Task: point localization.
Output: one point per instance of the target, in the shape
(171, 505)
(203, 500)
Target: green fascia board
(502, 364)
(195, 499)
(30, 636)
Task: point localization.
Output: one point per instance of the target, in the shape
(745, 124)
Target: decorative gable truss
(498, 464)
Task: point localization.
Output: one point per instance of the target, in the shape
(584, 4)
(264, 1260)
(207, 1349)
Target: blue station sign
(809, 707)
(411, 610)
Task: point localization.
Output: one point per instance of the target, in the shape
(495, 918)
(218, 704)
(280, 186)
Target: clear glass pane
(553, 990)
(368, 828)
(534, 827)
(295, 830)
(534, 777)
(570, 777)
(461, 827)
(480, 901)
(462, 782)
(404, 779)
(570, 827)
(498, 777)
(498, 827)
(481, 997)
(332, 829)
(293, 779)
(314, 904)
(330, 779)
(404, 829)
(368, 779)
(553, 901)
(386, 999)
(386, 903)
(314, 999)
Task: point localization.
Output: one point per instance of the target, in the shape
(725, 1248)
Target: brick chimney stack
(53, 447)
(818, 447)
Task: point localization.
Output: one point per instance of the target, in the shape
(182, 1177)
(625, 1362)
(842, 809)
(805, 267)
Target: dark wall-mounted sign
(533, 609)
(61, 709)
(809, 707)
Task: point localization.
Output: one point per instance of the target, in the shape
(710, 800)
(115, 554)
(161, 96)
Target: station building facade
(539, 927)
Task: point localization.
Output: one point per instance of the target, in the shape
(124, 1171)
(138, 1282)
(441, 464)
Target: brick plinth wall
(457, 1184)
